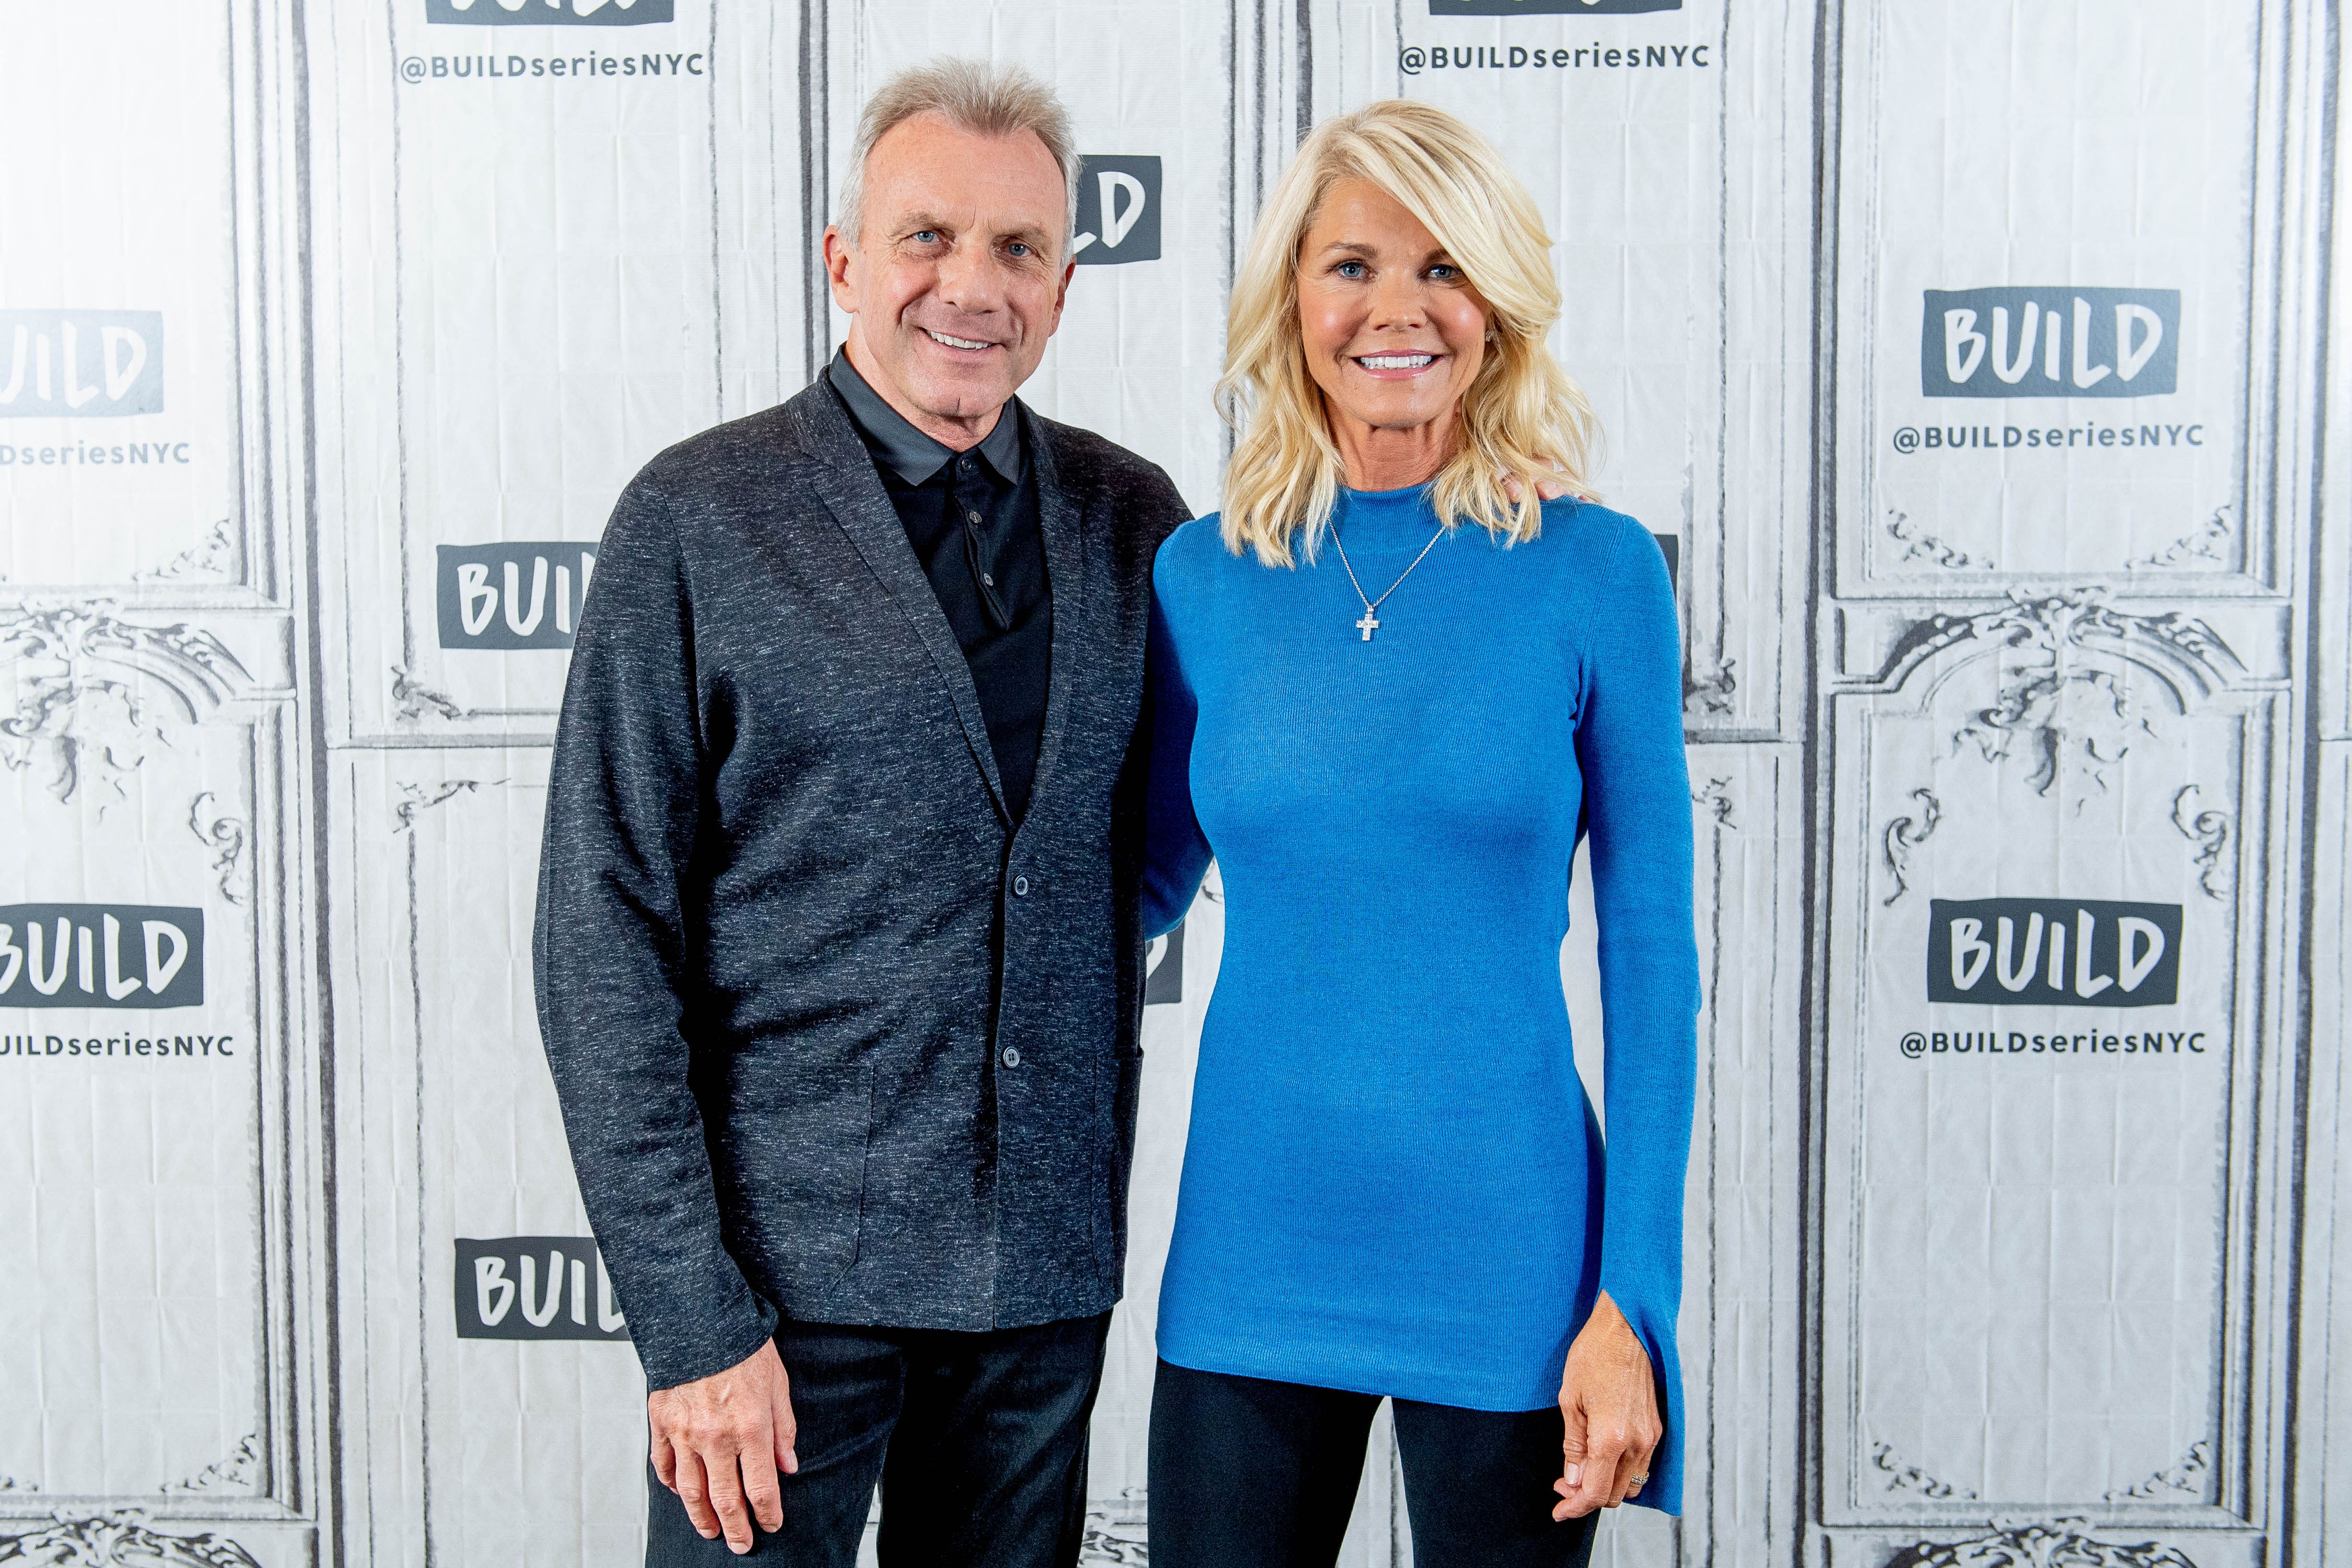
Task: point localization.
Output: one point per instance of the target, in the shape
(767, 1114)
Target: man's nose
(968, 280)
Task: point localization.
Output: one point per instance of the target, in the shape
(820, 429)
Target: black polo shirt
(971, 517)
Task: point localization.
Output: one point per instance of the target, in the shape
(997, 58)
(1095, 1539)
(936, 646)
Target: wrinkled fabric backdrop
(1973, 357)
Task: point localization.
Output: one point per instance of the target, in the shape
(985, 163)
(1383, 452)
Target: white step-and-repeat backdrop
(1974, 355)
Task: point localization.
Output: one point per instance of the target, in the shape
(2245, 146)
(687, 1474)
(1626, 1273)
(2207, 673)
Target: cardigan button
(1012, 1056)
(1019, 887)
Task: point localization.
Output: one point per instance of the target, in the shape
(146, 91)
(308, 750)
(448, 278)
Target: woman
(1390, 699)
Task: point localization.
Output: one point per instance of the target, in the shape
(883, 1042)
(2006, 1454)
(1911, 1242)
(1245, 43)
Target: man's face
(959, 276)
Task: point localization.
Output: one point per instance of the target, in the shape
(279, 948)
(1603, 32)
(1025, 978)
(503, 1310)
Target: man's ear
(1062, 296)
(837, 255)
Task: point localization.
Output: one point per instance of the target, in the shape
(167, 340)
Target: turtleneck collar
(1374, 515)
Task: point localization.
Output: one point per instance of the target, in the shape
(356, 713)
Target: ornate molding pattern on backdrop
(209, 557)
(411, 697)
(2185, 1477)
(2189, 655)
(1716, 796)
(225, 836)
(2037, 1546)
(236, 1471)
(2190, 549)
(120, 1536)
(1903, 835)
(1111, 1541)
(1927, 546)
(1901, 1476)
(2210, 832)
(1708, 691)
(417, 799)
(91, 724)
(2060, 690)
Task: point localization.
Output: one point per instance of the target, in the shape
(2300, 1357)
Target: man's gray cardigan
(776, 845)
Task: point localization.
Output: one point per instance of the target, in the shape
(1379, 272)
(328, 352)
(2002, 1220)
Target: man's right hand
(718, 1441)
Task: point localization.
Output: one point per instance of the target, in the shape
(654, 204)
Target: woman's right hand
(1609, 1399)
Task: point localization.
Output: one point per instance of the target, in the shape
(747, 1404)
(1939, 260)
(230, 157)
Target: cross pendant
(1368, 625)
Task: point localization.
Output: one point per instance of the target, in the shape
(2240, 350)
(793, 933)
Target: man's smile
(967, 345)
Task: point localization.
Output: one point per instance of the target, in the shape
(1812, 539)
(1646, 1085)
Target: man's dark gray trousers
(776, 848)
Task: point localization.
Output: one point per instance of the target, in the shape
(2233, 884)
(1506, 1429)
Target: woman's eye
(1446, 272)
(1351, 269)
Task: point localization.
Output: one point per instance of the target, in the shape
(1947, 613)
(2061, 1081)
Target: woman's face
(1393, 332)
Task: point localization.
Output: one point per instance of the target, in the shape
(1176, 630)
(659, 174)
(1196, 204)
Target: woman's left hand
(1609, 1398)
(1545, 489)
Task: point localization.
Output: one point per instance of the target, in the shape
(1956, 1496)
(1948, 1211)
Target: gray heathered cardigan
(776, 843)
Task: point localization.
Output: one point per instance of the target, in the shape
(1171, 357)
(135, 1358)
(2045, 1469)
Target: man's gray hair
(970, 95)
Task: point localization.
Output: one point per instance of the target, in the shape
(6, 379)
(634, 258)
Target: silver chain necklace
(1372, 623)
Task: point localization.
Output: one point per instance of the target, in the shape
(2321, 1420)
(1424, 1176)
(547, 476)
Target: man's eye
(1017, 249)
(926, 236)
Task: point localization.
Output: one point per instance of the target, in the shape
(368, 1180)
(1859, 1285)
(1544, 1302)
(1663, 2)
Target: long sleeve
(1638, 813)
(1176, 853)
(611, 951)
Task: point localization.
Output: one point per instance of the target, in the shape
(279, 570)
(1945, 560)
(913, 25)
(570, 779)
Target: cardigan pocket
(792, 1180)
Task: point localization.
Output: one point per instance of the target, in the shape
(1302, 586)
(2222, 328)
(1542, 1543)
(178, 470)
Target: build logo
(1118, 211)
(1163, 968)
(535, 1287)
(81, 364)
(1548, 7)
(550, 13)
(100, 956)
(2050, 342)
(2054, 952)
(512, 596)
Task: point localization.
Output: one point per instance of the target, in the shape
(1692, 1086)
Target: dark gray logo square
(1164, 982)
(2054, 952)
(102, 955)
(535, 1287)
(506, 596)
(1118, 211)
(2050, 342)
(1548, 7)
(550, 13)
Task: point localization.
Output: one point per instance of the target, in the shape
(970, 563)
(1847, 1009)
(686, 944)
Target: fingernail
(1576, 1475)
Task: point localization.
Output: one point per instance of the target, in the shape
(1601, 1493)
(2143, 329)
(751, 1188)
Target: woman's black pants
(1248, 1473)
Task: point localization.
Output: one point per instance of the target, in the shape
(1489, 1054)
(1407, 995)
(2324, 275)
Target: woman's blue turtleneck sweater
(1394, 1182)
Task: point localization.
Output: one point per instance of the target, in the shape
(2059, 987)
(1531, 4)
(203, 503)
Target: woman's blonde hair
(1522, 418)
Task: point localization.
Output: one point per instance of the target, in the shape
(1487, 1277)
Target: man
(839, 971)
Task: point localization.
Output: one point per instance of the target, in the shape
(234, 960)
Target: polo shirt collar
(913, 455)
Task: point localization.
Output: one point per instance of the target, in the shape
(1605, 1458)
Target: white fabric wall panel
(330, 330)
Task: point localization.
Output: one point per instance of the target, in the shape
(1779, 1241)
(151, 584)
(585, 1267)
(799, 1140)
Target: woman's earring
(1490, 334)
